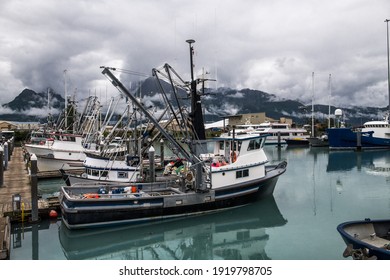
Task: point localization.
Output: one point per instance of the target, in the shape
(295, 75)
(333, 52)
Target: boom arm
(111, 77)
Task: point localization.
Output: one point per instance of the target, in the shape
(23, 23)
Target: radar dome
(338, 112)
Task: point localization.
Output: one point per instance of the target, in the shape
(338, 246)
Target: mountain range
(31, 106)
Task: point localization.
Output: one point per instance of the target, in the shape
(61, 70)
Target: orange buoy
(133, 189)
(53, 214)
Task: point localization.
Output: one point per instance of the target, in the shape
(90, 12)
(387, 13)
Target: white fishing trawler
(234, 173)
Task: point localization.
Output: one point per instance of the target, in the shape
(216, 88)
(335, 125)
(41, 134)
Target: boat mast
(312, 106)
(329, 97)
(388, 60)
(66, 101)
(116, 83)
(196, 115)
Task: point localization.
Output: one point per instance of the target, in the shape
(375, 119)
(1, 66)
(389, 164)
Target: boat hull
(346, 138)
(367, 239)
(301, 142)
(46, 164)
(318, 142)
(97, 212)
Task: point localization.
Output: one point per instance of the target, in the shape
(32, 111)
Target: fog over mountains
(31, 106)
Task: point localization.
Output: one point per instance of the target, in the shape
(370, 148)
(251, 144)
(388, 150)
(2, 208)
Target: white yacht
(273, 130)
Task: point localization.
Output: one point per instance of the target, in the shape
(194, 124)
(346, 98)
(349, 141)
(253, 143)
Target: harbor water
(319, 190)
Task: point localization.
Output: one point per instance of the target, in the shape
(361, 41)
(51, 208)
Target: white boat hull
(46, 164)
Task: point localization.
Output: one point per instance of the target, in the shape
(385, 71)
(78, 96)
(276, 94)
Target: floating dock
(15, 199)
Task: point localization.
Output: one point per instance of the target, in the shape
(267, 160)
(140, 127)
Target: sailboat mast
(312, 107)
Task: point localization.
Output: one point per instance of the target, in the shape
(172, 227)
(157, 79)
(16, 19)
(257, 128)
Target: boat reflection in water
(231, 234)
(373, 162)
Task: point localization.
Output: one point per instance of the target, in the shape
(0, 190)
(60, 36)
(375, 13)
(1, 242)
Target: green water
(319, 190)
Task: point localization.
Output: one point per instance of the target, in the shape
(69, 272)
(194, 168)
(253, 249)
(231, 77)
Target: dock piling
(5, 156)
(358, 140)
(34, 189)
(162, 156)
(152, 164)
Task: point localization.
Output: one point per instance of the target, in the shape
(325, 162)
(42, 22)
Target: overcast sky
(268, 45)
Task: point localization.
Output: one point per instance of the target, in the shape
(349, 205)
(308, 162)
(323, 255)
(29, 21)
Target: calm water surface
(319, 190)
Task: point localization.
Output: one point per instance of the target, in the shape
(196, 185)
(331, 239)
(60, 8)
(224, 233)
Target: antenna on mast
(66, 100)
(312, 107)
(196, 115)
(190, 42)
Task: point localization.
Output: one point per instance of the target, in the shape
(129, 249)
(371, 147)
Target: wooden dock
(17, 182)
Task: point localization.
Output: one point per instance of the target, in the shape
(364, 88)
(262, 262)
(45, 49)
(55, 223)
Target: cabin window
(122, 175)
(89, 172)
(254, 144)
(95, 172)
(243, 235)
(221, 145)
(103, 174)
(236, 146)
(242, 173)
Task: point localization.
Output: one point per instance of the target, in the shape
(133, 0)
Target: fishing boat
(66, 152)
(66, 148)
(235, 172)
(373, 135)
(39, 143)
(97, 168)
(366, 239)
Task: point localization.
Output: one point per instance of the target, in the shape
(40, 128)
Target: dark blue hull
(84, 213)
(367, 238)
(346, 138)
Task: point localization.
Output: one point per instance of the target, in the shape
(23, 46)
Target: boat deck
(366, 233)
(376, 241)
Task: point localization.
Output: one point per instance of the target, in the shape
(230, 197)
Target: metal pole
(312, 108)
(66, 102)
(34, 189)
(5, 156)
(358, 140)
(190, 42)
(151, 165)
(330, 93)
(9, 150)
(162, 155)
(388, 59)
(1, 166)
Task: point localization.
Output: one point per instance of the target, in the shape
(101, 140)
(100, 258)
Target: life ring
(233, 156)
